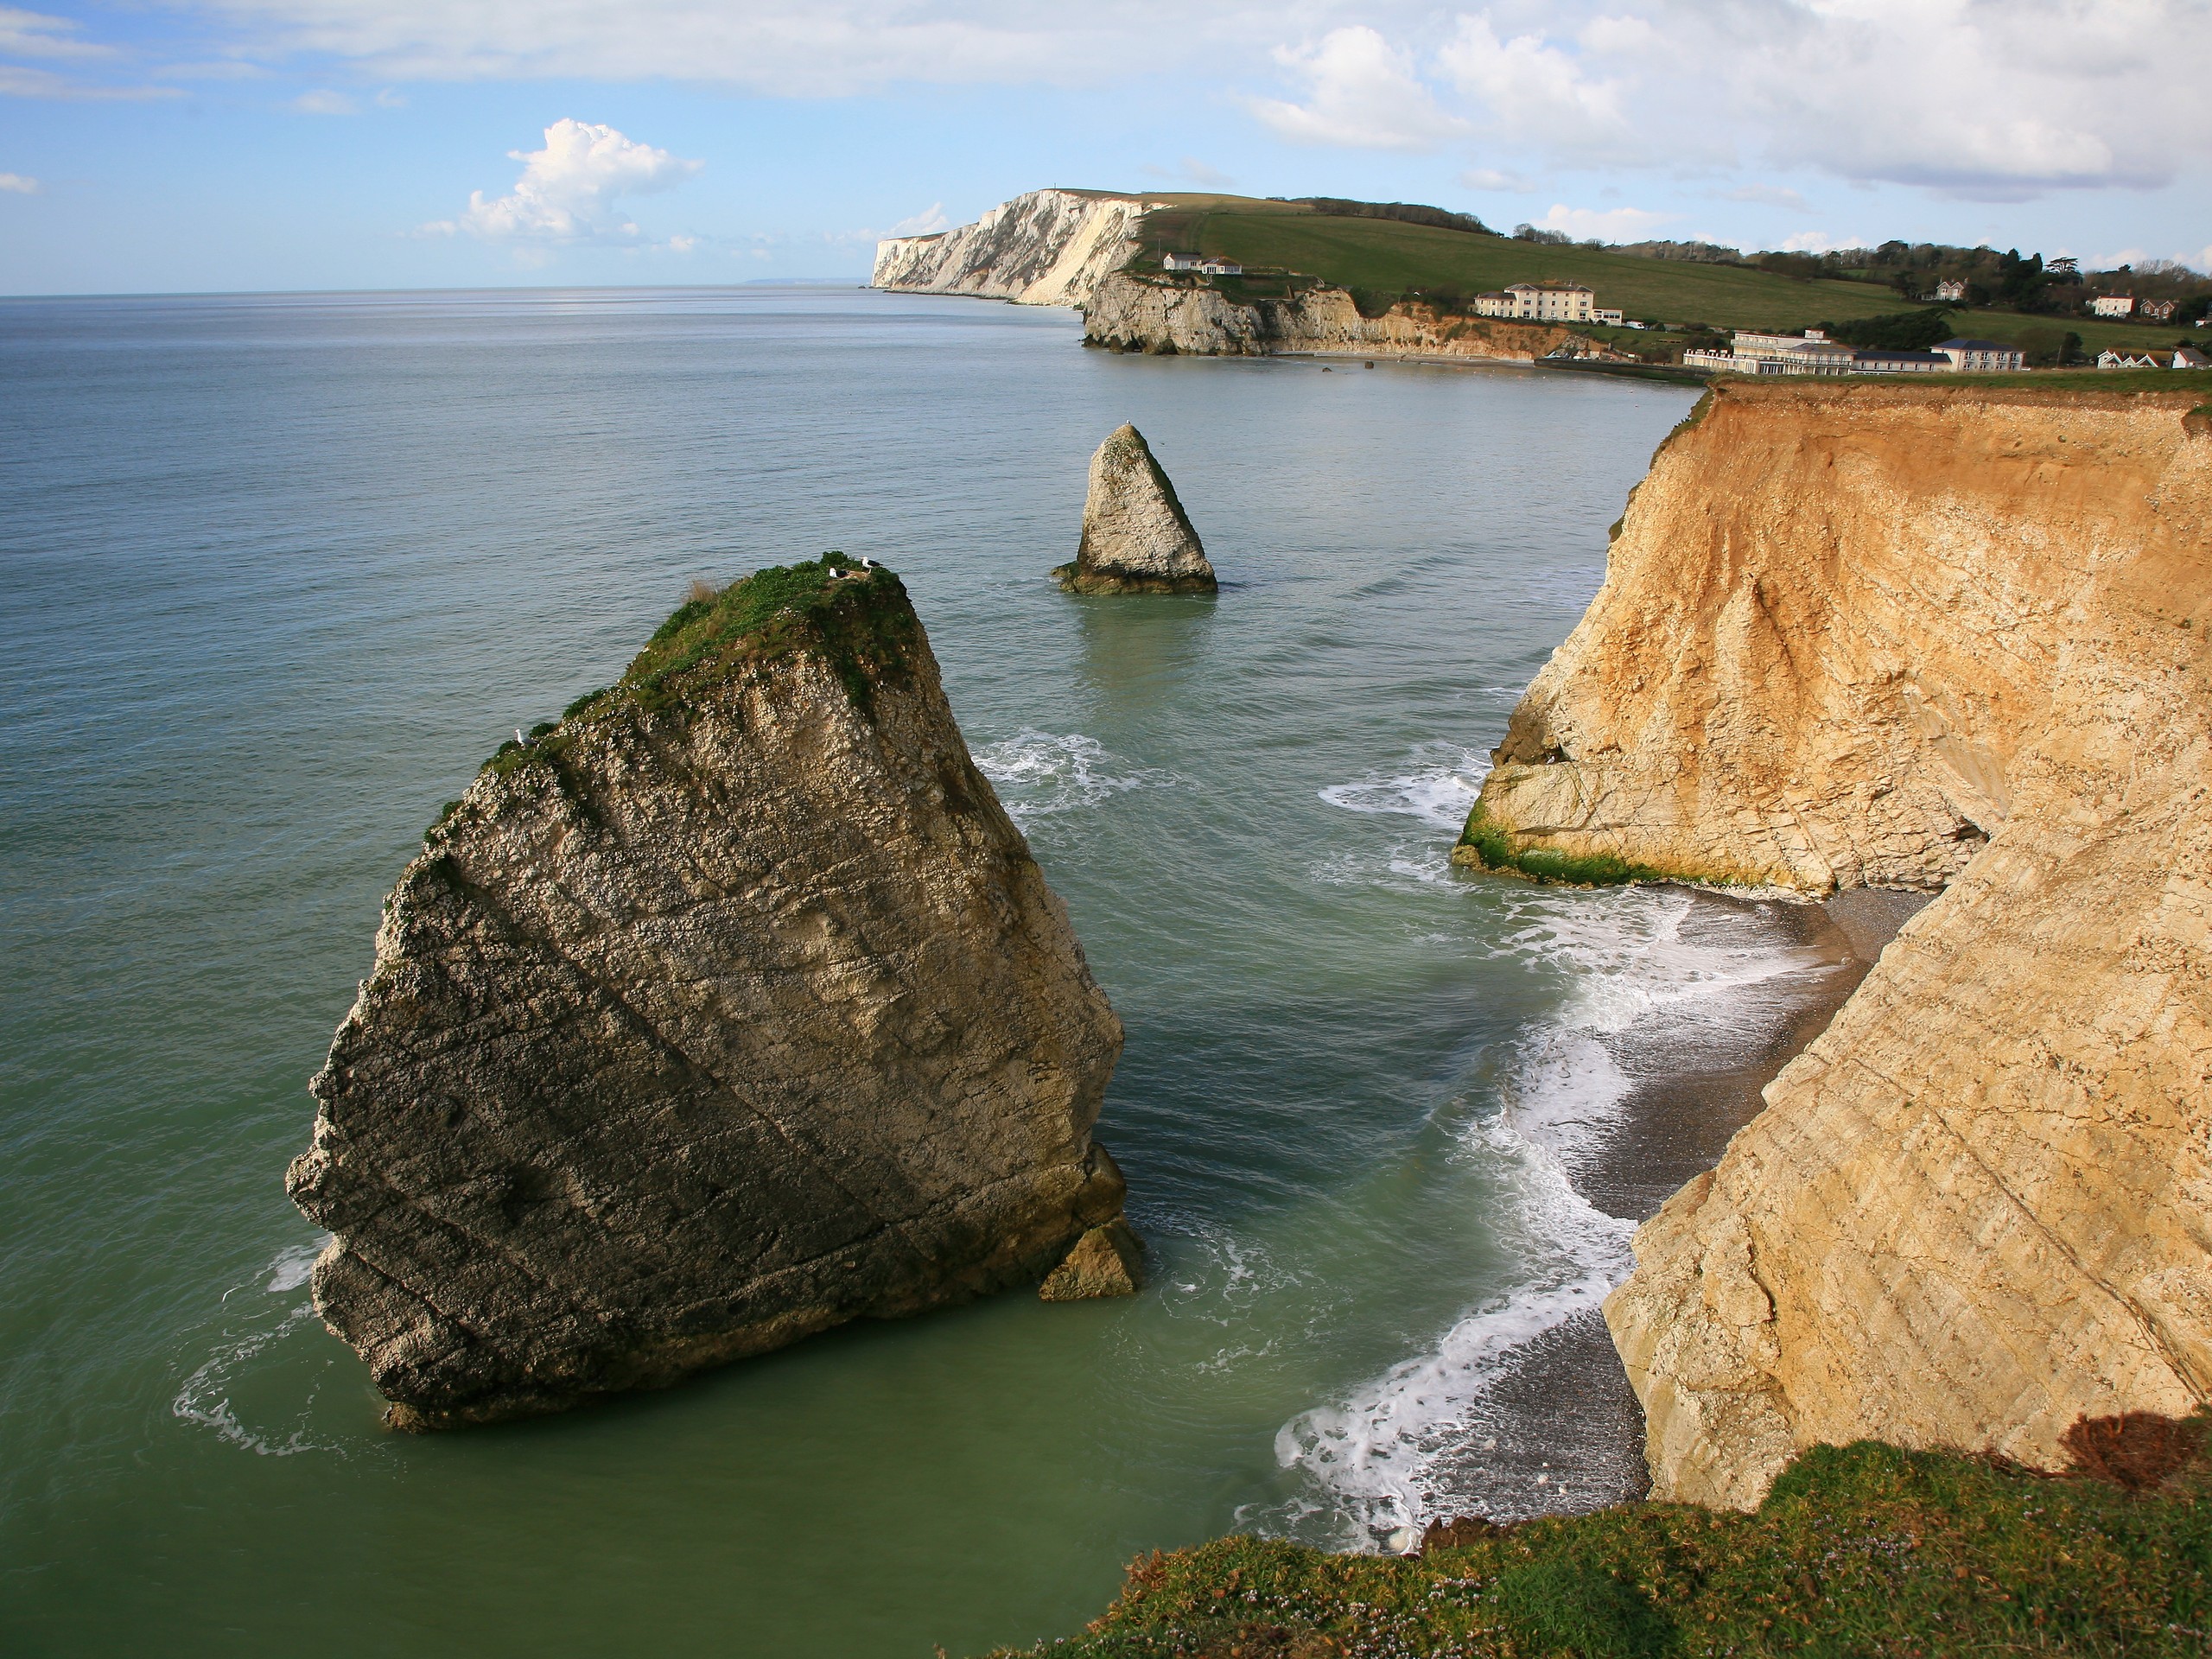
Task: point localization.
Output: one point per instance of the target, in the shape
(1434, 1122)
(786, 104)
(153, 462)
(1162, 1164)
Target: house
(1983, 356)
(1952, 289)
(2188, 357)
(1552, 301)
(2156, 310)
(1493, 305)
(2112, 305)
(1900, 363)
(1204, 265)
(1612, 319)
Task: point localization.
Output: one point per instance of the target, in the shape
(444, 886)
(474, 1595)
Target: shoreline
(1561, 1433)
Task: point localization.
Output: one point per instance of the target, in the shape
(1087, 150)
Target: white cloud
(928, 222)
(1527, 85)
(323, 101)
(1361, 93)
(1604, 225)
(1769, 195)
(16, 81)
(1490, 178)
(1995, 99)
(1821, 242)
(389, 99)
(19, 184)
(33, 34)
(569, 190)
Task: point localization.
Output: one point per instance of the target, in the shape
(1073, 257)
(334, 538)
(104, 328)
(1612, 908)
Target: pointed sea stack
(1136, 537)
(730, 1008)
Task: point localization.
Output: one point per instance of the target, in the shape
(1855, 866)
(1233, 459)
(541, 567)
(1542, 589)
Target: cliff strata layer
(1134, 312)
(1921, 637)
(1048, 247)
(730, 1008)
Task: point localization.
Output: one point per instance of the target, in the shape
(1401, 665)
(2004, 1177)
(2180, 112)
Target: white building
(1204, 265)
(1494, 305)
(1612, 319)
(1552, 301)
(1810, 353)
(1900, 363)
(1983, 356)
(2112, 305)
(1953, 288)
(2187, 358)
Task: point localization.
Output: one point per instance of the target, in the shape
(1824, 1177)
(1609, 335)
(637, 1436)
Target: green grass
(1860, 1550)
(1388, 257)
(865, 626)
(1494, 848)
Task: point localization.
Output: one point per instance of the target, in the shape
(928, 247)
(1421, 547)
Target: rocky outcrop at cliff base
(1136, 537)
(1048, 247)
(1917, 637)
(1134, 311)
(730, 1008)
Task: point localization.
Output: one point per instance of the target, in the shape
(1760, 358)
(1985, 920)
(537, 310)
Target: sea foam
(1394, 1452)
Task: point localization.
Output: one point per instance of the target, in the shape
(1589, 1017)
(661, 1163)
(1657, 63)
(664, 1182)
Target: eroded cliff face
(1133, 311)
(730, 1009)
(1049, 247)
(1917, 637)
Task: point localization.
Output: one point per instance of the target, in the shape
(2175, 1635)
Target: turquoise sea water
(278, 574)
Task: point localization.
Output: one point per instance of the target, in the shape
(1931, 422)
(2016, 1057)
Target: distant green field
(1390, 258)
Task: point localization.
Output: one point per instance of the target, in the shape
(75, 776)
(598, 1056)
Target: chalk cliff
(730, 1008)
(1932, 636)
(1132, 311)
(1049, 247)
(1136, 537)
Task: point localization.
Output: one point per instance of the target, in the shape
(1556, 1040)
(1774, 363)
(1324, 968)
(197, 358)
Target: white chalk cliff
(1048, 247)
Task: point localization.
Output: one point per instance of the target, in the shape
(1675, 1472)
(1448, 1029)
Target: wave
(1395, 1451)
(206, 1397)
(1039, 775)
(1438, 785)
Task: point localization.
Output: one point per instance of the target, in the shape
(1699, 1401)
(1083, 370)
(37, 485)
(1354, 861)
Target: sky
(168, 146)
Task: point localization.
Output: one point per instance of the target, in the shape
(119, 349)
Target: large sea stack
(1136, 537)
(730, 1008)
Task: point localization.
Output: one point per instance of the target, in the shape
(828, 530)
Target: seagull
(520, 737)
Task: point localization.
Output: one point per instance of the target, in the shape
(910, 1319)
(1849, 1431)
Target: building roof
(1976, 345)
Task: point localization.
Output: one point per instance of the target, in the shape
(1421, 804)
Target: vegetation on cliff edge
(858, 617)
(1493, 850)
(1863, 1549)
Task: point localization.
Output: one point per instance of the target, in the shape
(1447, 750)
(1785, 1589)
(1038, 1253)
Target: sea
(279, 572)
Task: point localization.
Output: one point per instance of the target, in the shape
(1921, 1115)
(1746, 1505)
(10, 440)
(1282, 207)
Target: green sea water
(281, 571)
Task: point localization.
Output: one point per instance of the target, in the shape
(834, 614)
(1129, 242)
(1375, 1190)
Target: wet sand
(1562, 1431)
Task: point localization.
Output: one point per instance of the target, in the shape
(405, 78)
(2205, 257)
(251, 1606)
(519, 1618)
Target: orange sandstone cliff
(1917, 637)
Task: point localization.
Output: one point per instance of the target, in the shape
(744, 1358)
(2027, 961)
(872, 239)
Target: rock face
(1918, 636)
(1049, 247)
(1136, 538)
(731, 1008)
(1132, 311)
(1106, 1262)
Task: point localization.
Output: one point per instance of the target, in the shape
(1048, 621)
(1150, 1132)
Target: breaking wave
(1394, 1451)
(1039, 775)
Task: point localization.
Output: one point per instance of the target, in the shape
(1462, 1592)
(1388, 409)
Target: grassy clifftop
(1859, 1550)
(1390, 256)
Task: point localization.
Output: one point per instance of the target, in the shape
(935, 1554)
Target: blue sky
(254, 144)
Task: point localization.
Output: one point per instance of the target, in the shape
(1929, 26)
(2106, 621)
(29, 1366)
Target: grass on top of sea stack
(1862, 1549)
(857, 616)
